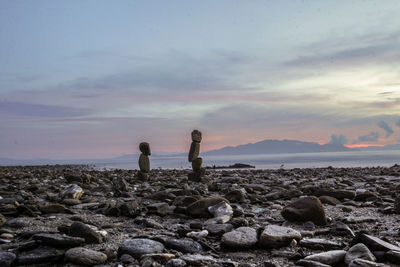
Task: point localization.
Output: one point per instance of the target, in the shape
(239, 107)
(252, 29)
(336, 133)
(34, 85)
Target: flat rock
(359, 251)
(219, 229)
(176, 263)
(19, 222)
(375, 243)
(309, 263)
(305, 209)
(79, 229)
(319, 243)
(338, 194)
(366, 263)
(184, 245)
(40, 255)
(330, 257)
(140, 246)
(278, 236)
(242, 237)
(198, 260)
(53, 208)
(7, 259)
(84, 256)
(329, 200)
(200, 207)
(59, 240)
(393, 256)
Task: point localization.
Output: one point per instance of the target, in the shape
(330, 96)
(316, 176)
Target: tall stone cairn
(144, 161)
(193, 157)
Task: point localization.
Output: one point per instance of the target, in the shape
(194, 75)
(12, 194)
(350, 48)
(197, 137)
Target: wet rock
(242, 237)
(374, 243)
(144, 147)
(53, 208)
(194, 151)
(365, 263)
(40, 255)
(144, 163)
(196, 136)
(320, 244)
(219, 229)
(140, 246)
(184, 245)
(79, 229)
(200, 207)
(359, 251)
(84, 256)
(72, 191)
(7, 259)
(58, 240)
(330, 257)
(393, 256)
(305, 209)
(277, 236)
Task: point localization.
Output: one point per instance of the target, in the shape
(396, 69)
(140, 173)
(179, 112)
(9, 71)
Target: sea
(271, 161)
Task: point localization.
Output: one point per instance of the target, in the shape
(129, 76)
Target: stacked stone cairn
(144, 161)
(198, 171)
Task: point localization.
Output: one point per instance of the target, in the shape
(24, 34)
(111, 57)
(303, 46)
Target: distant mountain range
(278, 147)
(262, 147)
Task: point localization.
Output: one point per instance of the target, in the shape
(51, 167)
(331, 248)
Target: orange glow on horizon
(363, 145)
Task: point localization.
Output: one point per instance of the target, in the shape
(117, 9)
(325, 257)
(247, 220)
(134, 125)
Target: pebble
(242, 237)
(84, 256)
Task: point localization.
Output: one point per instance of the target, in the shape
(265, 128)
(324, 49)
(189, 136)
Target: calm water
(275, 161)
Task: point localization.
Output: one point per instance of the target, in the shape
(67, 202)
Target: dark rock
(161, 209)
(144, 163)
(58, 240)
(144, 147)
(219, 229)
(2, 220)
(142, 176)
(84, 256)
(305, 209)
(79, 229)
(365, 263)
(140, 246)
(375, 243)
(359, 251)
(184, 245)
(40, 255)
(329, 200)
(330, 257)
(200, 207)
(19, 222)
(120, 185)
(320, 244)
(339, 194)
(236, 195)
(196, 136)
(309, 263)
(53, 208)
(194, 151)
(128, 259)
(197, 163)
(393, 256)
(176, 263)
(7, 259)
(340, 228)
(197, 175)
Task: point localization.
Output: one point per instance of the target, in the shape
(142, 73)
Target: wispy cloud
(386, 128)
(338, 139)
(371, 137)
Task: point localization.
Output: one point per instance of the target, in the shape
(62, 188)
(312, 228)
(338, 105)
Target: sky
(82, 79)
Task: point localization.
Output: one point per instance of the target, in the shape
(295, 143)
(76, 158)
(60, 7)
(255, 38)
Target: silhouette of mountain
(278, 147)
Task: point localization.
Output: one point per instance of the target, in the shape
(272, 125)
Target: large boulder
(305, 209)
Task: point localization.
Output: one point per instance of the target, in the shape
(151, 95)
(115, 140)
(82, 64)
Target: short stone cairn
(198, 171)
(144, 161)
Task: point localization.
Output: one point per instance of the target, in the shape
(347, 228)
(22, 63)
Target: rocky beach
(77, 215)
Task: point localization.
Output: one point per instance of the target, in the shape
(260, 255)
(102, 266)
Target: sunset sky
(94, 78)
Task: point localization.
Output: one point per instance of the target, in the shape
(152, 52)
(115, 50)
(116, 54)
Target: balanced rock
(359, 251)
(79, 229)
(305, 209)
(72, 191)
(144, 163)
(84, 256)
(242, 237)
(194, 151)
(197, 175)
(196, 136)
(278, 236)
(140, 246)
(145, 148)
(197, 163)
(200, 207)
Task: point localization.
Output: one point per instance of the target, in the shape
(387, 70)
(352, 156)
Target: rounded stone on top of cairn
(194, 151)
(145, 148)
(196, 136)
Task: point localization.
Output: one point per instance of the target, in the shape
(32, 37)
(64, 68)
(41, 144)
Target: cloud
(39, 110)
(386, 128)
(371, 137)
(338, 139)
(398, 123)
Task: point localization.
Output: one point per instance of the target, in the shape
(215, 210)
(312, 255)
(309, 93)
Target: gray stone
(196, 136)
(40, 255)
(200, 207)
(79, 229)
(278, 236)
(359, 251)
(72, 191)
(219, 229)
(184, 245)
(19, 222)
(176, 263)
(329, 200)
(140, 246)
(330, 257)
(85, 256)
(144, 163)
(198, 260)
(377, 244)
(161, 209)
(7, 259)
(366, 263)
(242, 237)
(59, 240)
(321, 244)
(236, 195)
(194, 151)
(305, 209)
(144, 147)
